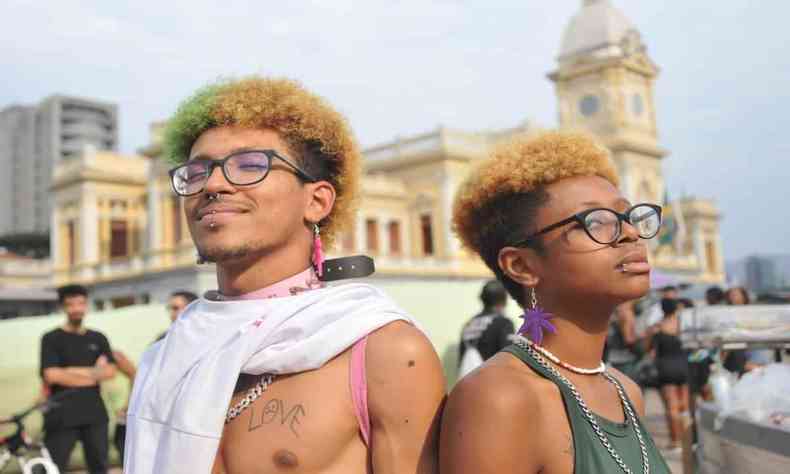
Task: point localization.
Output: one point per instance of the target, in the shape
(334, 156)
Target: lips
(635, 262)
(219, 209)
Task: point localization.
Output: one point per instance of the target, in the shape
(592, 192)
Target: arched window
(393, 229)
(426, 228)
(372, 235)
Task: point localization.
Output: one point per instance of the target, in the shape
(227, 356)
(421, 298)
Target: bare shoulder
(399, 345)
(402, 363)
(517, 390)
(493, 421)
(633, 390)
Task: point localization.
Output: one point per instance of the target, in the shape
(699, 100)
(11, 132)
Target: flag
(673, 228)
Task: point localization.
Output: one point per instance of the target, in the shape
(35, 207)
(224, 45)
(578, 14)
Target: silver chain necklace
(252, 394)
(630, 416)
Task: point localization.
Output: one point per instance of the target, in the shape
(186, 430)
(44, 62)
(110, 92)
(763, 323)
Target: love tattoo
(276, 411)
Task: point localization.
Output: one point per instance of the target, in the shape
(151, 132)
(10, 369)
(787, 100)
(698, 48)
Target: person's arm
(405, 395)
(491, 425)
(68, 377)
(626, 323)
(80, 376)
(104, 369)
(461, 351)
(105, 364)
(649, 340)
(125, 366)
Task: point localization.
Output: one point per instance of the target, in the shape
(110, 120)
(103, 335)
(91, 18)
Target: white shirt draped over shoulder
(185, 382)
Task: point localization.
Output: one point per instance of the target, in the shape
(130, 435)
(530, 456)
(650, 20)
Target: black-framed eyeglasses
(241, 168)
(605, 226)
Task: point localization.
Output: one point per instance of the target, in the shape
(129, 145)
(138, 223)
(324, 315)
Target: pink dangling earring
(536, 320)
(318, 251)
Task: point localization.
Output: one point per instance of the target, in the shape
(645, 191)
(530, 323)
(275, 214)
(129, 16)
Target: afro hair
(318, 134)
(508, 188)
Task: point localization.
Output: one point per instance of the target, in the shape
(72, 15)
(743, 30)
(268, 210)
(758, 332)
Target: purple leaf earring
(535, 321)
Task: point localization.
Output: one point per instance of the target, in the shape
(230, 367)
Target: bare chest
(302, 423)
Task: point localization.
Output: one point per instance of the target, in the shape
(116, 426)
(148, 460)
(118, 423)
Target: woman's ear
(321, 199)
(520, 265)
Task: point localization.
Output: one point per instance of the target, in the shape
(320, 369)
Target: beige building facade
(118, 227)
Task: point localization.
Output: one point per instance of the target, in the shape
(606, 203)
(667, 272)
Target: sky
(401, 68)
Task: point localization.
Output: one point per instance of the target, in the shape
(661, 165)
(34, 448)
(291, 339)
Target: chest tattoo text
(277, 411)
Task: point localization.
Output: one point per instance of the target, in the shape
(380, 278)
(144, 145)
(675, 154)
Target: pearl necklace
(578, 370)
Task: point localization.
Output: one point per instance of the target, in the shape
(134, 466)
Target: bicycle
(20, 446)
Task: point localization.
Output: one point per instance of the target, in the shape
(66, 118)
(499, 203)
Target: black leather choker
(356, 266)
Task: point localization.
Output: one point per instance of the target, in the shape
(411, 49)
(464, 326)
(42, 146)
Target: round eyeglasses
(605, 226)
(241, 168)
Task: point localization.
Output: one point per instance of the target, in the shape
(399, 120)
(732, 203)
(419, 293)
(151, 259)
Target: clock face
(588, 105)
(637, 105)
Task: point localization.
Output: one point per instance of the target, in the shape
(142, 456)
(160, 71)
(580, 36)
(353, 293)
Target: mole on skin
(411, 363)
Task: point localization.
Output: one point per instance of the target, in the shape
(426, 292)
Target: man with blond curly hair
(275, 371)
(546, 216)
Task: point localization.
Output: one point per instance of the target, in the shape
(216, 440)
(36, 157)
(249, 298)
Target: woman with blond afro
(546, 216)
(274, 371)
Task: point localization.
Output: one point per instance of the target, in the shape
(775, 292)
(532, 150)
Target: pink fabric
(359, 388)
(305, 280)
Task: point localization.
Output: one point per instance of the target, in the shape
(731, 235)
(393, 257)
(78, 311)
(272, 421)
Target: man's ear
(321, 198)
(520, 265)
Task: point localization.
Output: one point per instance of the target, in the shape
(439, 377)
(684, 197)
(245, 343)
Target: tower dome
(598, 30)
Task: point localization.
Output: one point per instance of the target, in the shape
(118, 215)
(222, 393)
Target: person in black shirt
(74, 360)
(489, 331)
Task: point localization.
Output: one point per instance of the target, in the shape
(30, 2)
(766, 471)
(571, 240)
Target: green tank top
(590, 456)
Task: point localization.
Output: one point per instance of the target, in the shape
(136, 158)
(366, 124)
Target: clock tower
(604, 84)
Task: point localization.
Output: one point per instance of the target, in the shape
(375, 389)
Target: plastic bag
(759, 394)
(721, 384)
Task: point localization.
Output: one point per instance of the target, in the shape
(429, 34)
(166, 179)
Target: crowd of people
(644, 343)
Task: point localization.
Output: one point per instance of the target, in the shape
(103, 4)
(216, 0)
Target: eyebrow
(232, 152)
(624, 201)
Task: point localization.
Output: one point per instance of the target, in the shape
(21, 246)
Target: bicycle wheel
(40, 466)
